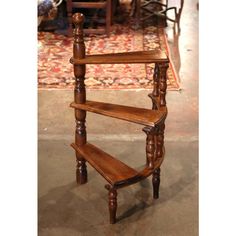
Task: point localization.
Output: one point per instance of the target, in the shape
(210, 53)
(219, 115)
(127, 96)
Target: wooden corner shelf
(115, 172)
(140, 116)
(152, 56)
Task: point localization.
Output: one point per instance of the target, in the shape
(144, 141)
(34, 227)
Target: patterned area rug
(54, 52)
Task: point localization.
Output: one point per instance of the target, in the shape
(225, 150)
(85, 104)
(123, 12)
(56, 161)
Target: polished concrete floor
(66, 209)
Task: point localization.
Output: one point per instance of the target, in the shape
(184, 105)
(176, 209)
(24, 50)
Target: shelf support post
(79, 96)
(156, 182)
(162, 75)
(155, 91)
(150, 146)
(160, 140)
(112, 195)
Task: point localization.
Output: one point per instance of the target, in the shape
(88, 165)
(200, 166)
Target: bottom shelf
(114, 171)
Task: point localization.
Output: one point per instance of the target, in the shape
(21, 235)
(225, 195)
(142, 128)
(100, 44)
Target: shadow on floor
(70, 206)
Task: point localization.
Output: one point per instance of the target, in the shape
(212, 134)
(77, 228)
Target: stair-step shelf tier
(152, 56)
(132, 114)
(115, 172)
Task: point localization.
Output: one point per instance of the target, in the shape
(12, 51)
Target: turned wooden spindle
(160, 140)
(155, 91)
(162, 69)
(79, 95)
(112, 196)
(156, 182)
(150, 146)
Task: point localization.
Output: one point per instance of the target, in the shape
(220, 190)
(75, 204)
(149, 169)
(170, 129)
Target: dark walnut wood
(156, 102)
(79, 97)
(155, 91)
(156, 182)
(162, 69)
(150, 146)
(152, 56)
(112, 196)
(115, 172)
(133, 114)
(159, 140)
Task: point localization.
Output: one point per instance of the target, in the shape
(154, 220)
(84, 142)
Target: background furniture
(105, 4)
(47, 9)
(159, 9)
(115, 172)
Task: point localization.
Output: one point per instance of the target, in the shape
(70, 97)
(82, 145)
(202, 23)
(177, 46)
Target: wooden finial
(78, 20)
(79, 46)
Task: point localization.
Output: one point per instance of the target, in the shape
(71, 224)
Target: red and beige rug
(55, 71)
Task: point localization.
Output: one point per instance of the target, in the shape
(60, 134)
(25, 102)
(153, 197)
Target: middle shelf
(141, 116)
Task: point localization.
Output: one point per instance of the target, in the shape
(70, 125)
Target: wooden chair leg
(69, 17)
(108, 16)
(156, 182)
(137, 13)
(112, 196)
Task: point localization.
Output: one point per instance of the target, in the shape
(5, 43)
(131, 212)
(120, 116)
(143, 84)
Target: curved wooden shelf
(113, 170)
(132, 114)
(152, 56)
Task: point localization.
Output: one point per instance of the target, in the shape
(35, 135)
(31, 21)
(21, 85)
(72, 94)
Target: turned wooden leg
(112, 196)
(80, 139)
(159, 146)
(156, 182)
(81, 170)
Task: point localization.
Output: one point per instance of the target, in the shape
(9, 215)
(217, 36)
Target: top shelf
(152, 56)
